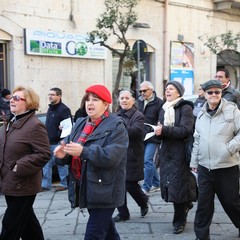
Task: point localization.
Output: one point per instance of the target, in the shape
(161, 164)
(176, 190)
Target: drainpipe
(166, 46)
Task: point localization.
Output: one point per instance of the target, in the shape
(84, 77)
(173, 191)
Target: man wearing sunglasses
(229, 92)
(215, 157)
(149, 104)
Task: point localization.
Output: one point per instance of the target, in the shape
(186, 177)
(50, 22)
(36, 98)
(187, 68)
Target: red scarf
(87, 130)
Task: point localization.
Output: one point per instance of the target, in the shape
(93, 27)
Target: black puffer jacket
(135, 155)
(177, 182)
(151, 113)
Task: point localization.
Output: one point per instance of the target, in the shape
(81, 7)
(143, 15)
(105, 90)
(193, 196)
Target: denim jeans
(47, 172)
(151, 176)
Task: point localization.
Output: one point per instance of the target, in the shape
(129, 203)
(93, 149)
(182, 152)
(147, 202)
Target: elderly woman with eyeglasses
(215, 157)
(24, 150)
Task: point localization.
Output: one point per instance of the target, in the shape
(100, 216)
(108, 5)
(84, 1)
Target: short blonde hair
(32, 98)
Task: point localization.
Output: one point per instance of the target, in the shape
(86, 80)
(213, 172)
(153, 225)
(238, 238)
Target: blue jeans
(47, 172)
(151, 176)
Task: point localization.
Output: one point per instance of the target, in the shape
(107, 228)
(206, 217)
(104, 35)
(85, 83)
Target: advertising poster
(61, 44)
(182, 65)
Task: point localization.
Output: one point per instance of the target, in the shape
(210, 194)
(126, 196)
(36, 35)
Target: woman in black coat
(134, 120)
(175, 125)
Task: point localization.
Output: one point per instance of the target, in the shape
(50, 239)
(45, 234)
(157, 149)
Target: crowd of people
(107, 154)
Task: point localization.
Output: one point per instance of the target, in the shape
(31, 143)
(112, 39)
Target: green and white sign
(61, 44)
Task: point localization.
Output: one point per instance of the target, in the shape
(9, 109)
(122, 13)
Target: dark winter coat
(135, 155)
(104, 158)
(26, 145)
(151, 113)
(177, 182)
(55, 114)
(232, 95)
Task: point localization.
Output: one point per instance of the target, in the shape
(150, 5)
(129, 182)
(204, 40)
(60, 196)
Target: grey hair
(148, 83)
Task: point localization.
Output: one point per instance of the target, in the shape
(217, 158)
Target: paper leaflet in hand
(149, 135)
(66, 126)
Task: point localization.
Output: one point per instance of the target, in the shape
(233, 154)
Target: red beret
(101, 91)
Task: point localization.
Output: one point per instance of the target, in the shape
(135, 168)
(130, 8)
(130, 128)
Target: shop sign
(61, 44)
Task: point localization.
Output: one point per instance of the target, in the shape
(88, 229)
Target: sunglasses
(218, 76)
(143, 91)
(211, 92)
(17, 98)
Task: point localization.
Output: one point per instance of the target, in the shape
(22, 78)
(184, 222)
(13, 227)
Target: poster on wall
(61, 44)
(182, 65)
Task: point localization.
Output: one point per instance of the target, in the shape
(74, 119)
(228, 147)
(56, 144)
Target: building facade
(32, 33)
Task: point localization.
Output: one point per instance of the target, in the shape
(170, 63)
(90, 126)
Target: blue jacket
(104, 158)
(55, 114)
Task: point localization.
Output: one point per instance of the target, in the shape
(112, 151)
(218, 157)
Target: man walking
(149, 104)
(57, 112)
(217, 165)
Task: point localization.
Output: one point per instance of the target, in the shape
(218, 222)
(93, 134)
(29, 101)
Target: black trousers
(137, 194)
(180, 216)
(100, 225)
(225, 184)
(20, 221)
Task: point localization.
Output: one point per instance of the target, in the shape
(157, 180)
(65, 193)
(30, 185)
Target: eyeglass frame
(17, 98)
(217, 92)
(219, 76)
(144, 90)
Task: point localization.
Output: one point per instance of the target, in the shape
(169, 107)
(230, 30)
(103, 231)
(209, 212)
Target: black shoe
(144, 210)
(178, 229)
(118, 218)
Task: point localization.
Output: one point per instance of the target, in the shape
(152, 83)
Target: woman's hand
(59, 150)
(73, 149)
(194, 169)
(158, 130)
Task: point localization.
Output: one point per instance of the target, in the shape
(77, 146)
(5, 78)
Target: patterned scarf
(87, 130)
(169, 115)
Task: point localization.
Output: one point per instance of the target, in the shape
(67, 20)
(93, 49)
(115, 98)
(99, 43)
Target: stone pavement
(51, 207)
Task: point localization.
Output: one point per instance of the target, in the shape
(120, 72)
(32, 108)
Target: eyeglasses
(52, 94)
(211, 92)
(218, 76)
(17, 98)
(143, 91)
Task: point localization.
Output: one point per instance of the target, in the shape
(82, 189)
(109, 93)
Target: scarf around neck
(169, 115)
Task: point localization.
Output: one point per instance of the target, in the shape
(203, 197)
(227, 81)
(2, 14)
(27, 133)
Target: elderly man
(149, 104)
(215, 157)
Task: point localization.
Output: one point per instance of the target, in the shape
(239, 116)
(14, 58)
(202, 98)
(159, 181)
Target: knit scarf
(169, 115)
(87, 130)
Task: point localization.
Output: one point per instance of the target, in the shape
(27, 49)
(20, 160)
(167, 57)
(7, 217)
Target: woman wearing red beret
(96, 152)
